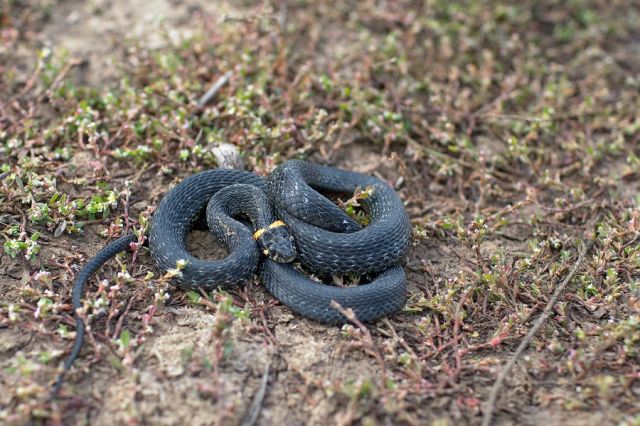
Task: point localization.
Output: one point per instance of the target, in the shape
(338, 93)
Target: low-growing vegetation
(510, 129)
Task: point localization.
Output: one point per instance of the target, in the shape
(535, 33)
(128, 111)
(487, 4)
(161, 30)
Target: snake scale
(290, 219)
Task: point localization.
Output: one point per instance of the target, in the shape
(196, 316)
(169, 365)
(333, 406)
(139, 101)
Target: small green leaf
(125, 338)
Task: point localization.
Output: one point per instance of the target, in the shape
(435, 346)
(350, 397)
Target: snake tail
(106, 253)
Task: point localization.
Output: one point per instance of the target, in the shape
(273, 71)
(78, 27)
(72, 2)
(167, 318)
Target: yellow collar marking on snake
(276, 224)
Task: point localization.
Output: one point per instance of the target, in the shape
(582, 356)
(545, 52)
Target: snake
(268, 226)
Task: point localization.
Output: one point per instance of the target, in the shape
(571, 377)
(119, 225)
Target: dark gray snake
(291, 220)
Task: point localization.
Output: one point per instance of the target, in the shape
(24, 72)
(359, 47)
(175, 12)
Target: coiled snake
(291, 220)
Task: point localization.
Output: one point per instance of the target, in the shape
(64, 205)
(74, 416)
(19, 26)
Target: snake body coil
(327, 241)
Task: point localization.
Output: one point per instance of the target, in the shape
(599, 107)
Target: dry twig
(254, 411)
(215, 88)
(493, 396)
(366, 343)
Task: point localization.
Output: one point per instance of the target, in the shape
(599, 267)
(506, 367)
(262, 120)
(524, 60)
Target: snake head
(276, 242)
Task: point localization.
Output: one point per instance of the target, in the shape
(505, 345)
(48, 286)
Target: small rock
(228, 156)
(436, 188)
(599, 313)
